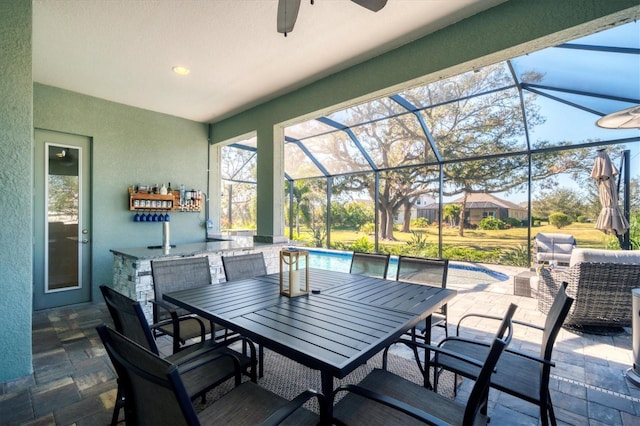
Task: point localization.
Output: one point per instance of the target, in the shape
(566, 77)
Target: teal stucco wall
(16, 142)
(128, 146)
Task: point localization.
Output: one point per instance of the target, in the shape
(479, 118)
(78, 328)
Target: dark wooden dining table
(351, 319)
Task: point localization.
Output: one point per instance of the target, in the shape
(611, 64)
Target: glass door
(62, 261)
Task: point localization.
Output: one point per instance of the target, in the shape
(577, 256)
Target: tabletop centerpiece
(294, 277)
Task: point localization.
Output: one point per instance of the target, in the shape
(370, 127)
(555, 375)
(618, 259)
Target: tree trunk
(390, 236)
(382, 225)
(386, 224)
(406, 226)
(463, 208)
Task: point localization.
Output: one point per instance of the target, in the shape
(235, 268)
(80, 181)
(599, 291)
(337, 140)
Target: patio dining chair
(425, 271)
(157, 391)
(384, 398)
(244, 266)
(518, 373)
(370, 264)
(129, 319)
(174, 275)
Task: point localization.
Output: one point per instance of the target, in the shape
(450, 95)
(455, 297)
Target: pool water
(458, 271)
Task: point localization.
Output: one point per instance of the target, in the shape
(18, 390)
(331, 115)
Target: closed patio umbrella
(611, 220)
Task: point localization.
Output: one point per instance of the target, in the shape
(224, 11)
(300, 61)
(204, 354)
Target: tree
(301, 210)
(562, 200)
(450, 212)
(482, 121)
(359, 213)
(238, 170)
(475, 119)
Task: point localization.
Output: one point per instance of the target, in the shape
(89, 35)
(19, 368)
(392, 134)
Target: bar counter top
(190, 249)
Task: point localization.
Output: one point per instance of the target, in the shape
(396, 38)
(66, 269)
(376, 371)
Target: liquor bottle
(169, 189)
(182, 196)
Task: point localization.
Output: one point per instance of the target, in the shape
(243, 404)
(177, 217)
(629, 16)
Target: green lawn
(585, 234)
(507, 246)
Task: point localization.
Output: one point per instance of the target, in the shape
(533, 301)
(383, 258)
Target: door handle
(85, 241)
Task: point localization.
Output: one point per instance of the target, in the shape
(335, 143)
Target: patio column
(270, 186)
(16, 175)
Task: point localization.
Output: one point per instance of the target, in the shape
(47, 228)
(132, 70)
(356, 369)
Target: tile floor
(73, 382)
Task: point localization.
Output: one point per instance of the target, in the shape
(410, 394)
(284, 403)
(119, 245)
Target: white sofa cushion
(604, 256)
(542, 237)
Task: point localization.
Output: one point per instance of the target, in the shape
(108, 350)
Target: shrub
(513, 222)
(582, 219)
(363, 244)
(368, 228)
(491, 222)
(518, 256)
(421, 222)
(559, 220)
(417, 243)
(468, 254)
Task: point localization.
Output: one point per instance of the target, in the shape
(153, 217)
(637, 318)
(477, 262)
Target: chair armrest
(507, 349)
(525, 324)
(189, 366)
(290, 407)
(392, 403)
(175, 320)
(438, 349)
(531, 357)
(214, 347)
(528, 324)
(472, 315)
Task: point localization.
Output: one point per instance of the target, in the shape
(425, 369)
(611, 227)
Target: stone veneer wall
(132, 277)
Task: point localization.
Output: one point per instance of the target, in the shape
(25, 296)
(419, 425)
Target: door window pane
(63, 199)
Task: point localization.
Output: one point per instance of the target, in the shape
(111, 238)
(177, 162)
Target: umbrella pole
(625, 243)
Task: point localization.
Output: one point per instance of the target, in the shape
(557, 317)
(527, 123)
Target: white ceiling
(123, 50)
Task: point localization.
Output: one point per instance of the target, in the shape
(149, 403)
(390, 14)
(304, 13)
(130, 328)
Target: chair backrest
(155, 393)
(370, 264)
(554, 244)
(419, 270)
(244, 266)
(177, 274)
(128, 318)
(480, 391)
(555, 318)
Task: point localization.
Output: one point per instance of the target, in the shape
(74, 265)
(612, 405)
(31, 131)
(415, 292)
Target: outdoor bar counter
(132, 266)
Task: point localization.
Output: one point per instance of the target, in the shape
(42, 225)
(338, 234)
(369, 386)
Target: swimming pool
(336, 260)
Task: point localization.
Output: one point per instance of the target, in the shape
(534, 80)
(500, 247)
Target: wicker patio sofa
(600, 281)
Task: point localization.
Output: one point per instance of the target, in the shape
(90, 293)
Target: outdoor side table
(521, 285)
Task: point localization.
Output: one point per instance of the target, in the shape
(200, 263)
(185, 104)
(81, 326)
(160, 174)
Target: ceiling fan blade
(287, 14)
(372, 5)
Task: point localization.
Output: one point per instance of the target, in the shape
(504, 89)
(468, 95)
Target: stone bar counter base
(132, 267)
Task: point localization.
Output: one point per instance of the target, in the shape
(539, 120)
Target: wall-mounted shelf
(192, 201)
(144, 201)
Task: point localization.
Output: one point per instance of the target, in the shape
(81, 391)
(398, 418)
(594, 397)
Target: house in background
(479, 206)
(422, 201)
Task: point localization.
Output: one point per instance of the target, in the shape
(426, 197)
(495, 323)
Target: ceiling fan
(288, 11)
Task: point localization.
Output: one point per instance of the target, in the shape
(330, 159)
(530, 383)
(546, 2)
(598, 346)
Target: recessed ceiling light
(181, 70)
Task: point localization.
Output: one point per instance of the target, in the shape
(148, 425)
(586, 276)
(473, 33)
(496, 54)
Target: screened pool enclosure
(469, 167)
